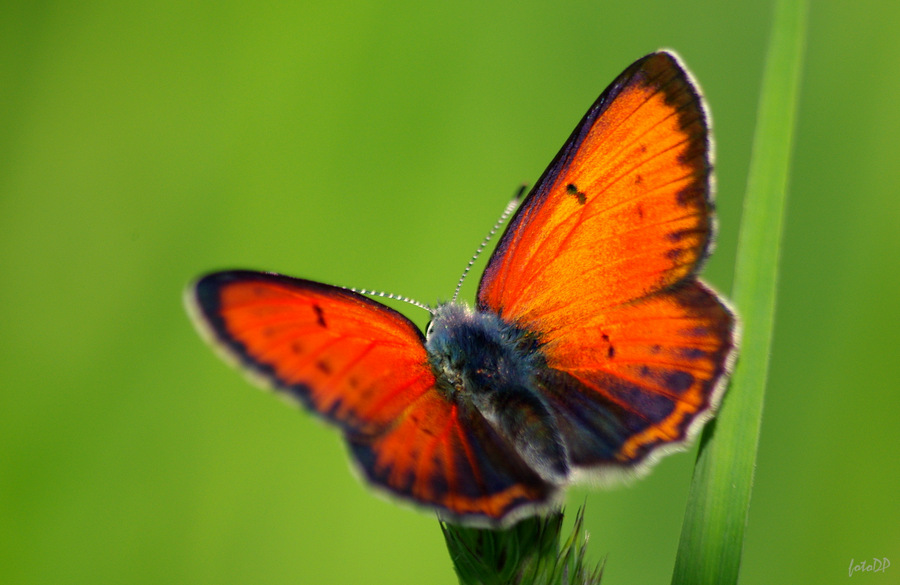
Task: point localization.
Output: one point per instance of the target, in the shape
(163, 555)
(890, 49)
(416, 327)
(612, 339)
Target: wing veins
(345, 371)
(359, 322)
(643, 361)
(298, 361)
(641, 197)
(659, 391)
(583, 211)
(396, 392)
(299, 329)
(428, 453)
(605, 393)
(631, 277)
(570, 157)
(470, 457)
(670, 342)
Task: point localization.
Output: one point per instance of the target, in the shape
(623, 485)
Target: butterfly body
(592, 347)
(480, 361)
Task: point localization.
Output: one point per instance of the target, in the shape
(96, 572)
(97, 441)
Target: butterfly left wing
(363, 367)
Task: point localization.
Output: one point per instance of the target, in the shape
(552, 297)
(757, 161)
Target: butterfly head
(472, 351)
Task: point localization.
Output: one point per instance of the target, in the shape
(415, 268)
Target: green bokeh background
(373, 144)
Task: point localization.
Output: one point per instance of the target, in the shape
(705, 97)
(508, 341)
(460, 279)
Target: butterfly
(592, 348)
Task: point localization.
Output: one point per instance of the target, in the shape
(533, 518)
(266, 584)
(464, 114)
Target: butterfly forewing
(622, 212)
(356, 362)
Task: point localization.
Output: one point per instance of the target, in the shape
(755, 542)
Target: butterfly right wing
(363, 367)
(600, 263)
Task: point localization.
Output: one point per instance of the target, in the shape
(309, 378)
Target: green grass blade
(713, 530)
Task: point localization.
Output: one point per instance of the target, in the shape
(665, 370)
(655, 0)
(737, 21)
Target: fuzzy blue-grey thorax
(481, 361)
(473, 352)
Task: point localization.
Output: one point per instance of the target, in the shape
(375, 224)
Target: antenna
(510, 207)
(387, 295)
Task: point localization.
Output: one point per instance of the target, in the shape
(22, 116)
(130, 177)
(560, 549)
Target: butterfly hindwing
(363, 367)
(654, 373)
(448, 455)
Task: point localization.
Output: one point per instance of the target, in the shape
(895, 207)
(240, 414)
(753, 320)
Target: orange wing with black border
(600, 263)
(653, 373)
(363, 367)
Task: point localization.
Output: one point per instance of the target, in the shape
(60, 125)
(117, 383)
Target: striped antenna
(387, 295)
(510, 207)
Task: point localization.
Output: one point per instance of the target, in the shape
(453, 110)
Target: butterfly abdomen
(485, 363)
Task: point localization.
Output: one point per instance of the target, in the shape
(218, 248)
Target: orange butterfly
(592, 348)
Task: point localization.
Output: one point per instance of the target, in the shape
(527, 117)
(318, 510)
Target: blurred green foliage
(712, 536)
(373, 144)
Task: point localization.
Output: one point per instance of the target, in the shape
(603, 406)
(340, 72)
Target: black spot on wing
(674, 254)
(320, 316)
(611, 350)
(678, 381)
(572, 189)
(681, 234)
(691, 194)
(693, 353)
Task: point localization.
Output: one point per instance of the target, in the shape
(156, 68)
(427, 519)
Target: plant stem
(713, 530)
